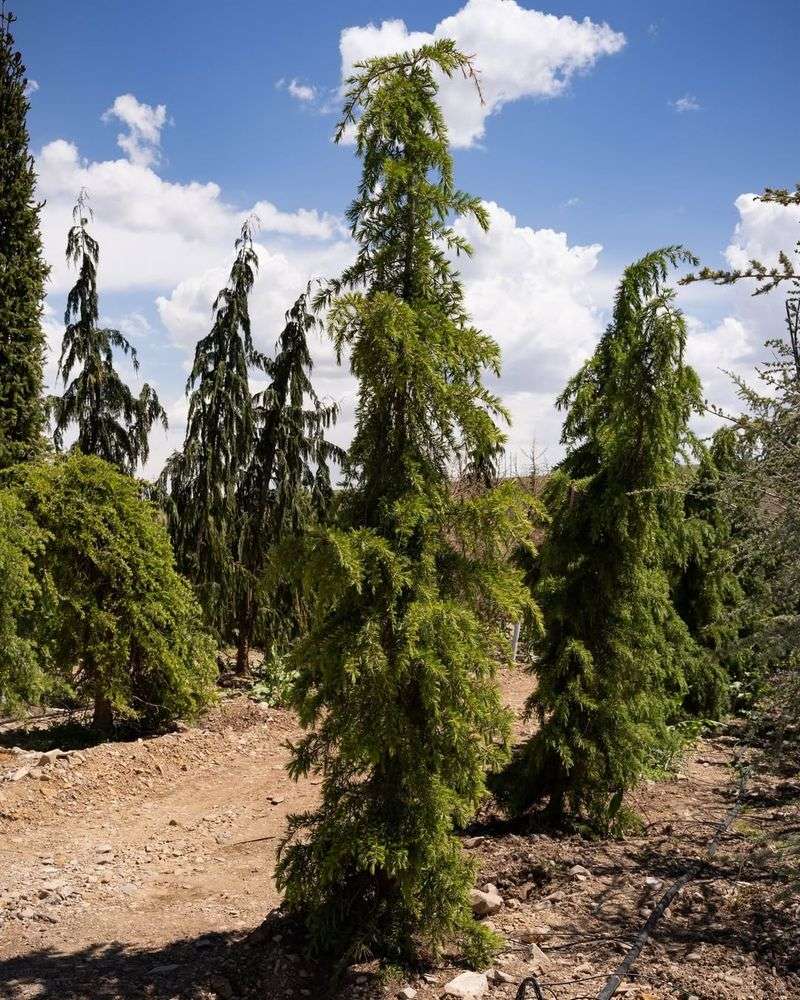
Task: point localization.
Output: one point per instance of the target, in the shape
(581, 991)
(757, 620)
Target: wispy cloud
(686, 103)
(299, 91)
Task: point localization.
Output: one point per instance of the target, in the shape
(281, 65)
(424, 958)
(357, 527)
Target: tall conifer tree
(708, 592)
(397, 672)
(22, 269)
(615, 654)
(286, 485)
(112, 423)
(201, 481)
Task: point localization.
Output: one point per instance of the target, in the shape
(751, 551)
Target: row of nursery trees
(659, 564)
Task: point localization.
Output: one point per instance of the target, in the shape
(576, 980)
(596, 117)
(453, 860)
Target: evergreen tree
(22, 268)
(201, 481)
(615, 654)
(112, 423)
(708, 593)
(22, 679)
(763, 491)
(397, 671)
(118, 624)
(286, 485)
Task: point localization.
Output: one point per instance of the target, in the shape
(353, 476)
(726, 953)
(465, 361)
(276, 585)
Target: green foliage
(254, 468)
(708, 592)
(413, 588)
(285, 487)
(21, 677)
(615, 654)
(120, 626)
(764, 490)
(274, 679)
(112, 423)
(200, 482)
(23, 271)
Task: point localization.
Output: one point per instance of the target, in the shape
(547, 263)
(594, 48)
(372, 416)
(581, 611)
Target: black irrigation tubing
(622, 970)
(531, 983)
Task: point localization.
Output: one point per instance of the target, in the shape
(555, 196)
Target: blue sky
(627, 137)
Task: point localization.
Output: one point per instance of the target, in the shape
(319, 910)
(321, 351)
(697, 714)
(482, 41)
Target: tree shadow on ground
(121, 972)
(70, 731)
(268, 963)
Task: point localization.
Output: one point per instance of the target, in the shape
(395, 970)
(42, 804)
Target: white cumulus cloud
(535, 294)
(144, 122)
(763, 229)
(153, 232)
(518, 52)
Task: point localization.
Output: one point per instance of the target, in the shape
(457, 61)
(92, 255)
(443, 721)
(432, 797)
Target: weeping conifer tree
(201, 481)
(286, 485)
(23, 271)
(708, 592)
(612, 665)
(111, 422)
(397, 670)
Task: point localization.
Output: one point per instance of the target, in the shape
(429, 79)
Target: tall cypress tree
(397, 671)
(22, 269)
(201, 481)
(112, 423)
(612, 665)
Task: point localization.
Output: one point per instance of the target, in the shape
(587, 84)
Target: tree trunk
(243, 641)
(103, 720)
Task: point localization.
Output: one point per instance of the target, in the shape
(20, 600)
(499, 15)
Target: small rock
(104, 848)
(19, 774)
(484, 903)
(524, 891)
(538, 959)
(578, 871)
(653, 884)
(56, 886)
(407, 993)
(277, 799)
(470, 842)
(498, 976)
(535, 934)
(467, 986)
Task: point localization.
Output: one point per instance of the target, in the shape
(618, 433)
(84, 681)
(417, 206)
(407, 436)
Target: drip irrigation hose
(531, 989)
(620, 973)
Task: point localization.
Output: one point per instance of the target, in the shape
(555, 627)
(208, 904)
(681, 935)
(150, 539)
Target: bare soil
(144, 870)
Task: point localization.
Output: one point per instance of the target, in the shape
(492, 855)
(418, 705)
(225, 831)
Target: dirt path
(140, 843)
(141, 869)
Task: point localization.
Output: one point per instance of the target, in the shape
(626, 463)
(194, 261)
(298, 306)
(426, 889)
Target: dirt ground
(144, 870)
